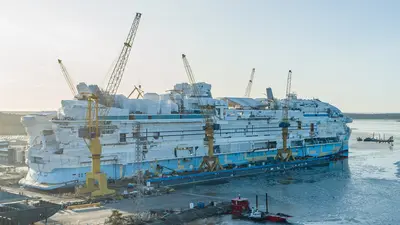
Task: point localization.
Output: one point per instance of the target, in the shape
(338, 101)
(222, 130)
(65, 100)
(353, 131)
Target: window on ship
(217, 150)
(299, 125)
(38, 160)
(296, 143)
(308, 141)
(271, 144)
(122, 137)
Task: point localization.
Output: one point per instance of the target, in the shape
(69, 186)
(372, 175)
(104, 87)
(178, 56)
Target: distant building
(12, 152)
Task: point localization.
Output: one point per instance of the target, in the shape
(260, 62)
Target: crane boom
(288, 91)
(210, 162)
(68, 78)
(250, 84)
(119, 68)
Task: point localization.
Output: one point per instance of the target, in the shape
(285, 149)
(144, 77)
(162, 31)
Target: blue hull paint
(321, 153)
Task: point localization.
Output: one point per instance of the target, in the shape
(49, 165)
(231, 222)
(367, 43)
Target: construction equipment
(250, 84)
(118, 71)
(139, 91)
(285, 124)
(96, 181)
(83, 206)
(209, 162)
(68, 78)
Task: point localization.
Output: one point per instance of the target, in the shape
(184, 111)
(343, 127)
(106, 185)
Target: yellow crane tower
(96, 181)
(68, 78)
(209, 162)
(250, 84)
(285, 124)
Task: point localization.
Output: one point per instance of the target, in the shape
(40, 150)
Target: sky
(342, 52)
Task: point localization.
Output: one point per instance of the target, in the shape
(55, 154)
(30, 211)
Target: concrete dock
(177, 201)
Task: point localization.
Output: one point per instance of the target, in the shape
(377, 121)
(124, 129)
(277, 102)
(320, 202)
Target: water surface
(361, 190)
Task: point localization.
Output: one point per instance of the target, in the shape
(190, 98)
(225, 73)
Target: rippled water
(365, 189)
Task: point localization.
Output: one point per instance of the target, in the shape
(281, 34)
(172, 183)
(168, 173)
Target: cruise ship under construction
(167, 136)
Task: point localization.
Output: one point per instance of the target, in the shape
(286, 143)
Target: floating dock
(251, 169)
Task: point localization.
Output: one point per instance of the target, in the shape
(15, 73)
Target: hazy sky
(343, 52)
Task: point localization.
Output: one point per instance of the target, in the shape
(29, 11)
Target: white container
(191, 205)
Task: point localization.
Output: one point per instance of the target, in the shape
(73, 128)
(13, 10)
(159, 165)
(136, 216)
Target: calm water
(365, 189)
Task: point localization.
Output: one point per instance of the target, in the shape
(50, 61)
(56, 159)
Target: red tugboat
(241, 210)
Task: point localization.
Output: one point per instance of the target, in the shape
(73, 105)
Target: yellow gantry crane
(96, 181)
(250, 84)
(68, 78)
(285, 124)
(209, 162)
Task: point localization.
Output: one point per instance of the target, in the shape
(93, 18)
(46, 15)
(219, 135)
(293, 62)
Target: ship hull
(244, 163)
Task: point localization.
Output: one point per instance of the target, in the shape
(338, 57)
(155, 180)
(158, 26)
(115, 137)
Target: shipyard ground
(176, 201)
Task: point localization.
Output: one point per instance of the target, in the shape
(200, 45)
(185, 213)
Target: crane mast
(96, 181)
(68, 78)
(250, 84)
(209, 162)
(285, 153)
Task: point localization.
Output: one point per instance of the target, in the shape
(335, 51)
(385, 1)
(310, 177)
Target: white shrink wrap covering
(82, 88)
(152, 96)
(132, 105)
(73, 109)
(165, 107)
(174, 107)
(148, 106)
(165, 97)
(185, 87)
(119, 101)
(118, 112)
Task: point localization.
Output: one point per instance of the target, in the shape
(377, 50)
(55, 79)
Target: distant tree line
(10, 124)
(372, 116)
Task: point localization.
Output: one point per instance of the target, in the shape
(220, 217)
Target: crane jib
(119, 68)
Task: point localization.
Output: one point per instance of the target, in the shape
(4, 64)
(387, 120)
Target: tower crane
(209, 162)
(68, 78)
(250, 84)
(285, 124)
(139, 91)
(91, 133)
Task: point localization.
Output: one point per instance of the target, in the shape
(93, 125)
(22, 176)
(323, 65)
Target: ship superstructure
(166, 132)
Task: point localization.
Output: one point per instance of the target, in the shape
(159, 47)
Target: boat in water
(162, 135)
(240, 209)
